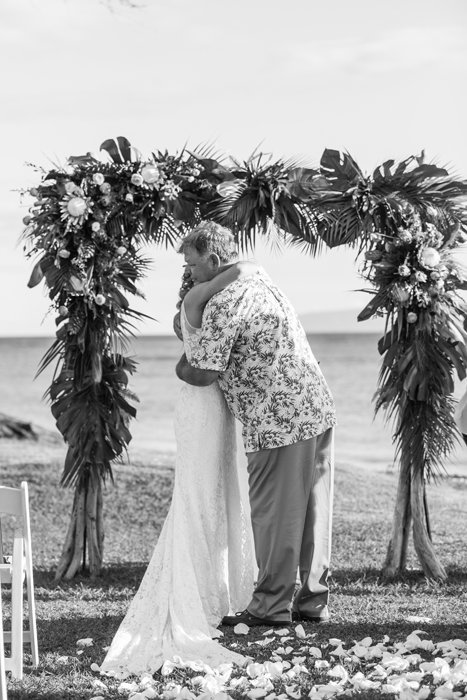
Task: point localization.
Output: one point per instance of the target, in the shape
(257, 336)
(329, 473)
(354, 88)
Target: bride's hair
(209, 237)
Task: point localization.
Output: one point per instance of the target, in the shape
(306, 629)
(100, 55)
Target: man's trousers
(291, 492)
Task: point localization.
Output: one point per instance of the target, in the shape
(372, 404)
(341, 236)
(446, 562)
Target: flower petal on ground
(300, 632)
(241, 628)
(87, 642)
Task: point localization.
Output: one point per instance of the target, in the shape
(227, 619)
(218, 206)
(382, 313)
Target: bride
(202, 565)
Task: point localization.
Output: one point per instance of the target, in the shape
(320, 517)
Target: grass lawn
(361, 607)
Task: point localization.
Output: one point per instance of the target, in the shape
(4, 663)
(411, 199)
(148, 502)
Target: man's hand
(177, 327)
(194, 376)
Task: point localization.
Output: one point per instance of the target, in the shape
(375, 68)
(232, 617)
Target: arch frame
(91, 219)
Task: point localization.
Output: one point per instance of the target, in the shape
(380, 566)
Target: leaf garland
(90, 220)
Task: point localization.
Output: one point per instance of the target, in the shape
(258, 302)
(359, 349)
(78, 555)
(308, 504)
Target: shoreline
(49, 448)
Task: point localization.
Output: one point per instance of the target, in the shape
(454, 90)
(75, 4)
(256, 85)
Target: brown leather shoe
(247, 618)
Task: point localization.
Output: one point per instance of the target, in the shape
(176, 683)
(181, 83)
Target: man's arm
(197, 297)
(194, 376)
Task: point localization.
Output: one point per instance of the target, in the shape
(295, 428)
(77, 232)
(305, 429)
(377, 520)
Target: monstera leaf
(119, 149)
(340, 169)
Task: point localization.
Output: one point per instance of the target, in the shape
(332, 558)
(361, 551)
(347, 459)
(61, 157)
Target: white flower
(429, 257)
(241, 628)
(98, 179)
(150, 174)
(70, 187)
(420, 276)
(403, 270)
(405, 236)
(63, 310)
(412, 317)
(76, 207)
(170, 190)
(121, 250)
(136, 179)
(99, 299)
(105, 188)
(64, 253)
(95, 226)
(129, 197)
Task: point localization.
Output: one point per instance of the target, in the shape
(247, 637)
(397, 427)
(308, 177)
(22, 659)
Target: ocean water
(350, 363)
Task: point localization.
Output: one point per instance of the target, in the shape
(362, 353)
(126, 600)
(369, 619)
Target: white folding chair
(15, 502)
(3, 691)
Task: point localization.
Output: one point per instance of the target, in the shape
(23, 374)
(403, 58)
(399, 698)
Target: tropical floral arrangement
(90, 220)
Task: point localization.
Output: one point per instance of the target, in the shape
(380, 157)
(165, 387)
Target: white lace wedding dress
(202, 565)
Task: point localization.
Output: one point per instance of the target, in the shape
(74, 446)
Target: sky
(378, 79)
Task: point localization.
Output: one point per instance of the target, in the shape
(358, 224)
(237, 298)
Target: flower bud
(99, 299)
(403, 270)
(412, 317)
(98, 179)
(136, 179)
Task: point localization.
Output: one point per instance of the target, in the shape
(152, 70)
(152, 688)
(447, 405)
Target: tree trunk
(85, 532)
(432, 567)
(411, 506)
(396, 556)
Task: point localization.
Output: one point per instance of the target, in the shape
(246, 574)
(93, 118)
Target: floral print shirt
(268, 373)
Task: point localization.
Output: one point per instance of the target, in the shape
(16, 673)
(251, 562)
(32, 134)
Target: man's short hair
(208, 237)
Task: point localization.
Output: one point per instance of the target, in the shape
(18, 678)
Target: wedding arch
(90, 220)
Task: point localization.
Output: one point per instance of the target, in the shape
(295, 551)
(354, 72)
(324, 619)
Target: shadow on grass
(59, 636)
(116, 576)
(46, 694)
(121, 579)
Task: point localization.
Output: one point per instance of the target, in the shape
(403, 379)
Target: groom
(253, 344)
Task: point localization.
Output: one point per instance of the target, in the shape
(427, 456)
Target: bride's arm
(198, 296)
